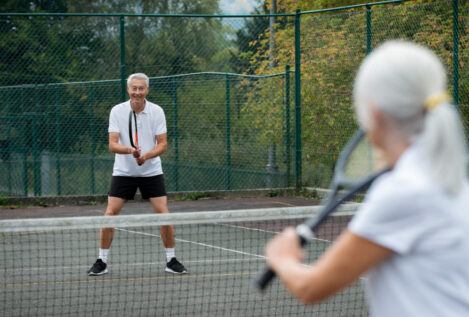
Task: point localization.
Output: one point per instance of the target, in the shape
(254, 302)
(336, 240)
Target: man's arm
(160, 148)
(117, 148)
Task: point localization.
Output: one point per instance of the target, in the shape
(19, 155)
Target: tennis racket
(133, 131)
(357, 167)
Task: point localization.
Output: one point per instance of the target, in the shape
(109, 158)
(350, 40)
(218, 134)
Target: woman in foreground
(411, 236)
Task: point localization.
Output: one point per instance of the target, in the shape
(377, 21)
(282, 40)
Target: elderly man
(137, 165)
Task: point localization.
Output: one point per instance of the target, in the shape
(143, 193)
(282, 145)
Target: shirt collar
(145, 110)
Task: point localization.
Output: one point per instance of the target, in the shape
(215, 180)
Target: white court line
(197, 243)
(268, 231)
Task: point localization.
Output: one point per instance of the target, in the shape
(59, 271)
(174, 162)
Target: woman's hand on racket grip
(284, 247)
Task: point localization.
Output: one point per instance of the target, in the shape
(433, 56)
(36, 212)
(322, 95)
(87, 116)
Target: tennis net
(44, 263)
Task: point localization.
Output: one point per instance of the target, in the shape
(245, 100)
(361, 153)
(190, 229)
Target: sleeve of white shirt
(160, 126)
(397, 218)
(113, 122)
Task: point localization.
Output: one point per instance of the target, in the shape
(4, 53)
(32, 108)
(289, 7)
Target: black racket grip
(264, 278)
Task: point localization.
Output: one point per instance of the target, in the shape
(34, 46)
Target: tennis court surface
(43, 261)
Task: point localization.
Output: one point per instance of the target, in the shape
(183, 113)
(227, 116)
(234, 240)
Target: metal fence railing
(238, 117)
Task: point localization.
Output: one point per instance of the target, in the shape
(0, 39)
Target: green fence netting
(260, 101)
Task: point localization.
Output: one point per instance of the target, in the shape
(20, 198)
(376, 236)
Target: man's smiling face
(137, 90)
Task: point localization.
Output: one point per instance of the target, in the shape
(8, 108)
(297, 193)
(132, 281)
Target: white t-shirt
(428, 230)
(150, 123)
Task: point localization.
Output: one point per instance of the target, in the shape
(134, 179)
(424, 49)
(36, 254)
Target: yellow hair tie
(435, 100)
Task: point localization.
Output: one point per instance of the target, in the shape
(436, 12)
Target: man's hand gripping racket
(356, 168)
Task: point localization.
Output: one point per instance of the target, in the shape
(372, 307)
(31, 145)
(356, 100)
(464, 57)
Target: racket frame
(332, 201)
(133, 118)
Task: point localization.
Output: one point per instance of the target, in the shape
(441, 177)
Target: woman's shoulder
(397, 185)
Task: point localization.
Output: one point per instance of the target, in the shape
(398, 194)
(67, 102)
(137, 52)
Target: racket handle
(263, 279)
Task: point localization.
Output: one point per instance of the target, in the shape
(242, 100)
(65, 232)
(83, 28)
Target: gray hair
(402, 79)
(139, 76)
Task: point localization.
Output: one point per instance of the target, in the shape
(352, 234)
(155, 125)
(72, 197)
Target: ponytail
(445, 146)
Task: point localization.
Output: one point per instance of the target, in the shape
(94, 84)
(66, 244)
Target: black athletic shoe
(175, 267)
(98, 268)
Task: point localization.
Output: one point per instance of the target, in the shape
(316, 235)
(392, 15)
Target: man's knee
(160, 205)
(114, 206)
(161, 209)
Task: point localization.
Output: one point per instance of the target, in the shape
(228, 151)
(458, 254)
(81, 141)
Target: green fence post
(455, 52)
(176, 136)
(9, 153)
(45, 160)
(57, 139)
(122, 44)
(298, 170)
(23, 149)
(368, 29)
(92, 137)
(287, 121)
(25, 172)
(228, 134)
(36, 147)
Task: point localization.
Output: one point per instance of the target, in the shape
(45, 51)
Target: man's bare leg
(160, 206)
(114, 206)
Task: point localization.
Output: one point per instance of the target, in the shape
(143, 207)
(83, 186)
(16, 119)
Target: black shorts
(125, 187)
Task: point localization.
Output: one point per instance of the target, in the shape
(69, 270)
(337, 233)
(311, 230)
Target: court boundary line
(196, 243)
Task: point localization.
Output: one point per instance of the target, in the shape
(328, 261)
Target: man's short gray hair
(139, 76)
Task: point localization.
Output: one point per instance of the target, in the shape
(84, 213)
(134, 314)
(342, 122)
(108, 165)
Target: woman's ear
(377, 126)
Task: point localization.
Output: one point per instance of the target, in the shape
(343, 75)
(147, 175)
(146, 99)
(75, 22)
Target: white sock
(169, 254)
(103, 254)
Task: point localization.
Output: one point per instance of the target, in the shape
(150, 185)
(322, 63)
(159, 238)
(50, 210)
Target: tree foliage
(332, 47)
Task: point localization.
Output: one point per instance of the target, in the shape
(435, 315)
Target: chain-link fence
(334, 43)
(57, 134)
(237, 116)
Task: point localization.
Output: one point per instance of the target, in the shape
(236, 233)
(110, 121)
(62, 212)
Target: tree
(332, 46)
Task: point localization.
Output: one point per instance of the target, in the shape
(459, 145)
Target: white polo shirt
(428, 230)
(150, 123)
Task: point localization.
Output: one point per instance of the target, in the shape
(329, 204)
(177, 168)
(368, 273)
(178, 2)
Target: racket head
(357, 162)
(358, 165)
(133, 132)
